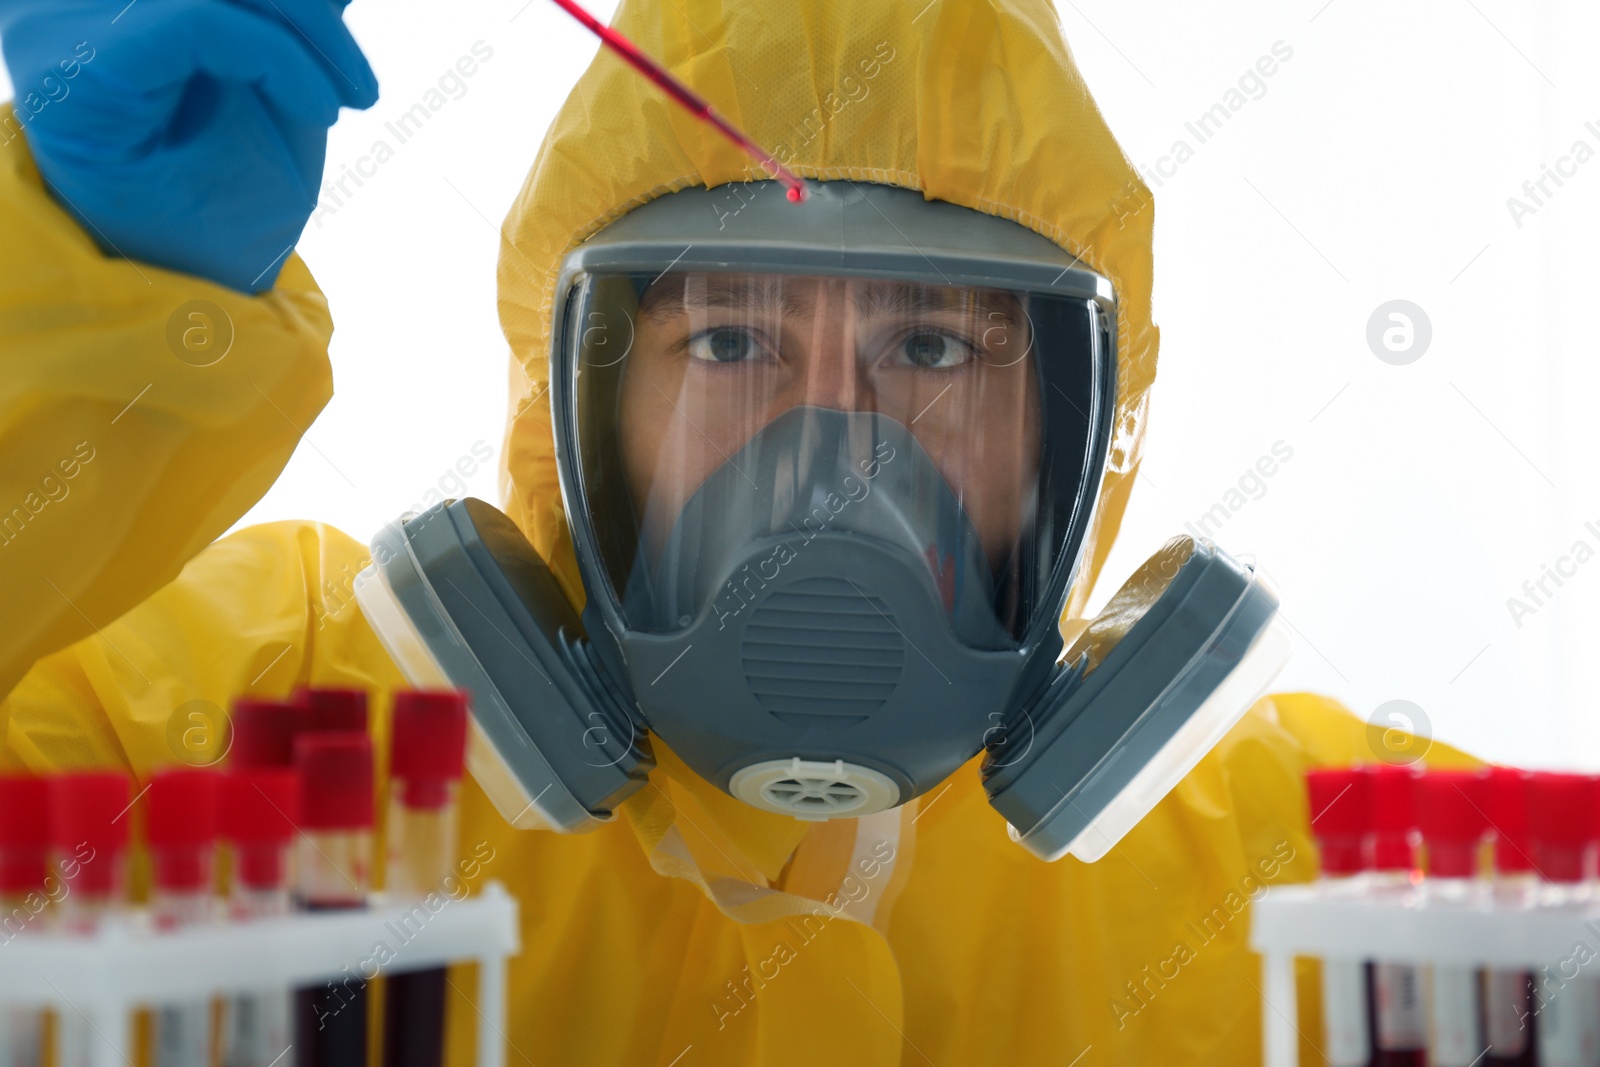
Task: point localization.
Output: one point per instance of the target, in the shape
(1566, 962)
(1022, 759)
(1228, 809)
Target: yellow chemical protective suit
(693, 930)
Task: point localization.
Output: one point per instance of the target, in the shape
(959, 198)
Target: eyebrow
(903, 299)
(769, 296)
(765, 297)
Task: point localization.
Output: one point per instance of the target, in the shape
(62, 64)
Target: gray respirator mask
(828, 491)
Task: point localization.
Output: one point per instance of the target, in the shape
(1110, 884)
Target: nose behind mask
(813, 473)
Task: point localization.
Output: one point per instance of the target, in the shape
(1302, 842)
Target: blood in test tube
(26, 889)
(1566, 1008)
(1339, 805)
(89, 836)
(1512, 1036)
(334, 708)
(264, 732)
(1399, 1020)
(1452, 815)
(181, 831)
(335, 861)
(259, 811)
(425, 768)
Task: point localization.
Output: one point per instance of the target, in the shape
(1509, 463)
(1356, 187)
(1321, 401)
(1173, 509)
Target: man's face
(717, 357)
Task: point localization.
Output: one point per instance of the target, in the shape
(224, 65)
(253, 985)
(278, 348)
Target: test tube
(181, 830)
(258, 816)
(89, 835)
(1400, 1035)
(334, 708)
(26, 887)
(426, 763)
(1507, 994)
(1339, 818)
(1452, 817)
(334, 873)
(1566, 1009)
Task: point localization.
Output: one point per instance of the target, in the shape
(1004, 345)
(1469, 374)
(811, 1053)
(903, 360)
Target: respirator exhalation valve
(813, 789)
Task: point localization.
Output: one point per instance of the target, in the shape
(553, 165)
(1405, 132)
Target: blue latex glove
(190, 134)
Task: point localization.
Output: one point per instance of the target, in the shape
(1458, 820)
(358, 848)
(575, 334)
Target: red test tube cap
(1508, 815)
(181, 807)
(1561, 820)
(260, 806)
(264, 732)
(335, 780)
(430, 744)
(24, 833)
(335, 708)
(1339, 816)
(1394, 816)
(1452, 813)
(89, 822)
(181, 826)
(259, 810)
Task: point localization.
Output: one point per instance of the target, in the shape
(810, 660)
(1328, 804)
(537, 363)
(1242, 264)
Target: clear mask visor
(715, 410)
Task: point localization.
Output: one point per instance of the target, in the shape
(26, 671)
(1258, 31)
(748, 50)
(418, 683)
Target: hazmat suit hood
(979, 105)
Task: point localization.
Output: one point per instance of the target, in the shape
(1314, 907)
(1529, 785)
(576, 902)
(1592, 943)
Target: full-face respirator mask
(829, 469)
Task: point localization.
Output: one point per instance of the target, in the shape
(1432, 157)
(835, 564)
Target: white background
(1376, 166)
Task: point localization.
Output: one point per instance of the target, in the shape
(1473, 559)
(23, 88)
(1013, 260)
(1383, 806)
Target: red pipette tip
(693, 102)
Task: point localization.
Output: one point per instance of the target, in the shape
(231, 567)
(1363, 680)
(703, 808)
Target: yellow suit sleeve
(142, 412)
(258, 612)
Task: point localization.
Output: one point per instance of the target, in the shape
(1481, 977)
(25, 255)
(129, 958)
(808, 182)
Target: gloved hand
(189, 134)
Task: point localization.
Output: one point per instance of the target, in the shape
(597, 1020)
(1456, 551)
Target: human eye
(725, 344)
(927, 348)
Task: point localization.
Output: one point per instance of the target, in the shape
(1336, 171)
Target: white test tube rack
(125, 965)
(1309, 921)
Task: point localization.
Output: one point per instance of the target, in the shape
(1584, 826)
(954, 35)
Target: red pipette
(693, 101)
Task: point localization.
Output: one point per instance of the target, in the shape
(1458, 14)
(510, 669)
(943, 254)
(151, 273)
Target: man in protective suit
(163, 352)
